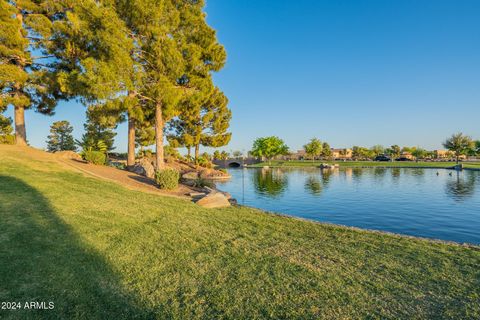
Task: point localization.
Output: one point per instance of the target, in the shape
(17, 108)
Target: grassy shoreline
(101, 251)
(366, 164)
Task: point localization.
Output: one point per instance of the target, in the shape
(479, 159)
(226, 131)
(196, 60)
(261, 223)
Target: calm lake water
(440, 204)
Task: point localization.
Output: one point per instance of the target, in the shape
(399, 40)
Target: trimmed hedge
(95, 157)
(7, 139)
(167, 179)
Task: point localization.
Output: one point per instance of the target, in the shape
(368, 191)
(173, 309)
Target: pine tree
(176, 54)
(23, 23)
(96, 133)
(152, 26)
(144, 135)
(215, 122)
(6, 130)
(106, 72)
(205, 124)
(61, 138)
(204, 117)
(84, 52)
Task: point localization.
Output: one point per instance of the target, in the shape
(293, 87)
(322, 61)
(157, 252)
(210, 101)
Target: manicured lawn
(308, 163)
(100, 251)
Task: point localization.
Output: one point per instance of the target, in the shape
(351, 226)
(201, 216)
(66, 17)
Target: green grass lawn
(100, 251)
(309, 163)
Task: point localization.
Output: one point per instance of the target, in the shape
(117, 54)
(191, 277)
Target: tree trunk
(131, 142)
(159, 136)
(189, 152)
(20, 131)
(197, 152)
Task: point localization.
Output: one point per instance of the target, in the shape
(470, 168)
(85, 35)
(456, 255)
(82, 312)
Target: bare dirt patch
(127, 179)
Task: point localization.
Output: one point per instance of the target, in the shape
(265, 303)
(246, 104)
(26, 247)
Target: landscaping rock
(190, 178)
(144, 167)
(209, 190)
(197, 194)
(207, 173)
(212, 174)
(192, 175)
(214, 200)
(227, 195)
(68, 155)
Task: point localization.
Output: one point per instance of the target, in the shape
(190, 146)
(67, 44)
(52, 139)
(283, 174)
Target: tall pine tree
(203, 124)
(61, 138)
(204, 117)
(97, 132)
(81, 47)
(176, 50)
(25, 79)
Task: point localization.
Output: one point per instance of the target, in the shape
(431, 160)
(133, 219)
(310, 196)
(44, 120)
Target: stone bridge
(235, 162)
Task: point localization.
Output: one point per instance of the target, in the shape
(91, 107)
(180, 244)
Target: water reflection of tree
(395, 173)
(357, 173)
(326, 174)
(461, 186)
(270, 182)
(379, 172)
(313, 185)
(417, 172)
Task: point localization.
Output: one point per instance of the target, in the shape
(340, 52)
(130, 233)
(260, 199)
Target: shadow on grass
(43, 260)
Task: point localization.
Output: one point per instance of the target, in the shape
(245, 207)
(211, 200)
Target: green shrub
(204, 162)
(95, 157)
(7, 139)
(167, 179)
(171, 152)
(223, 170)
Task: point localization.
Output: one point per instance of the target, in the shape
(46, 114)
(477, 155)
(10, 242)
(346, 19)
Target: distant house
(407, 155)
(299, 155)
(342, 153)
(442, 154)
(445, 154)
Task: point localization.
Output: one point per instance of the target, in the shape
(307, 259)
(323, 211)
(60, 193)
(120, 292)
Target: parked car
(403, 159)
(382, 157)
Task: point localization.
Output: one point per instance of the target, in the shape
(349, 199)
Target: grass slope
(100, 251)
(421, 164)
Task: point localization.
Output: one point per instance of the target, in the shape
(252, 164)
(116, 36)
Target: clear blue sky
(353, 72)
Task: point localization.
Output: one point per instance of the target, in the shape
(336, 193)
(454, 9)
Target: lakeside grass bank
(98, 251)
(366, 164)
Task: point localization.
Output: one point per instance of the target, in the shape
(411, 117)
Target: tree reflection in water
(313, 185)
(461, 186)
(395, 173)
(357, 173)
(326, 174)
(272, 182)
